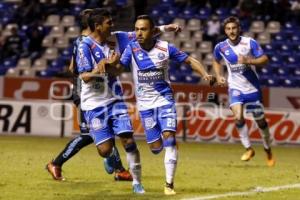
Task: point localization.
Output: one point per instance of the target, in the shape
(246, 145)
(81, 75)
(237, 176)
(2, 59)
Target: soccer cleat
(248, 154)
(270, 158)
(109, 164)
(138, 188)
(123, 176)
(169, 189)
(55, 171)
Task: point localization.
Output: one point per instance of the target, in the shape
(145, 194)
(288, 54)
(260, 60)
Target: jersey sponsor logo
(96, 124)
(150, 76)
(136, 49)
(161, 56)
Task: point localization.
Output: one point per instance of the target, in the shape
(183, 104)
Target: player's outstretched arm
(260, 61)
(167, 28)
(198, 67)
(221, 81)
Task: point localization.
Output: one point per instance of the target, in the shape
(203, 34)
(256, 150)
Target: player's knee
(104, 153)
(131, 147)
(157, 150)
(170, 141)
(240, 123)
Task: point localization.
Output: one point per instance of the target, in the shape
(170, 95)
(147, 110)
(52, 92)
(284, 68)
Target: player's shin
(243, 132)
(265, 134)
(171, 156)
(133, 159)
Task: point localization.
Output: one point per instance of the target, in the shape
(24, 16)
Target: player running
(241, 55)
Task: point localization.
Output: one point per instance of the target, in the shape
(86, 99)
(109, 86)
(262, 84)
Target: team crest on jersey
(227, 52)
(161, 56)
(140, 56)
(149, 123)
(96, 124)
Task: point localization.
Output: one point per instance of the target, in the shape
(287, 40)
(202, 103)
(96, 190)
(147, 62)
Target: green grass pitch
(203, 170)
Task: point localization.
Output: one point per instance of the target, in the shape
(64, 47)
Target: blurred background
(36, 45)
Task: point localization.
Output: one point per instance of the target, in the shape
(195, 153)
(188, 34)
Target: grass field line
(252, 192)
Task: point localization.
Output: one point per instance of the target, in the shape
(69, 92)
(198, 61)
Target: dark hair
(84, 17)
(231, 19)
(97, 16)
(146, 17)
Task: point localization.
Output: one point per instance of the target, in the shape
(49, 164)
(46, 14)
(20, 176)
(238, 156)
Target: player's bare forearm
(217, 68)
(197, 66)
(71, 65)
(166, 28)
(260, 61)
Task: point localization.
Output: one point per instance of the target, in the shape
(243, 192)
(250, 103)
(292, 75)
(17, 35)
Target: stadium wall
(202, 123)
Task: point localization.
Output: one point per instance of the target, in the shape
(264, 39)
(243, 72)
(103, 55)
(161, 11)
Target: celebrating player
(241, 55)
(113, 163)
(149, 58)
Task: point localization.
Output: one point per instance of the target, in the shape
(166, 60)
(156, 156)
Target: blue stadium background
(36, 35)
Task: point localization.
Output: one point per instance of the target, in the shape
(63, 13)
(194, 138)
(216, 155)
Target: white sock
(133, 159)
(243, 132)
(265, 134)
(171, 156)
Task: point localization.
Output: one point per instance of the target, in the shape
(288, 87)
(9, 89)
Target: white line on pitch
(252, 192)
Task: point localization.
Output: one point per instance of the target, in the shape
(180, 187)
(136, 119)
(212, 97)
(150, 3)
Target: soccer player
(101, 96)
(113, 163)
(149, 59)
(241, 55)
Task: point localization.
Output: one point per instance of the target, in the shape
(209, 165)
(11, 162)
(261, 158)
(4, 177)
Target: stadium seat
(177, 78)
(248, 34)
(168, 36)
(47, 42)
(203, 13)
(205, 47)
(222, 13)
(173, 12)
(197, 55)
(189, 46)
(197, 36)
(192, 79)
(24, 63)
(29, 72)
(257, 27)
(283, 71)
(56, 31)
(183, 36)
(264, 38)
(164, 20)
(185, 69)
(40, 64)
(193, 25)
(72, 32)
(208, 59)
(50, 53)
(269, 49)
(188, 12)
(52, 20)
(62, 42)
(273, 27)
(13, 72)
(68, 20)
(276, 61)
(180, 22)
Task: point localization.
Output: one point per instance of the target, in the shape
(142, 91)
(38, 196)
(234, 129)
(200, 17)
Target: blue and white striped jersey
(240, 76)
(150, 72)
(103, 89)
